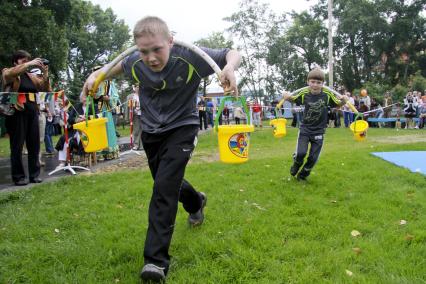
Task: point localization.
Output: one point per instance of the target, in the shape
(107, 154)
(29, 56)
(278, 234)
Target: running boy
(315, 100)
(168, 76)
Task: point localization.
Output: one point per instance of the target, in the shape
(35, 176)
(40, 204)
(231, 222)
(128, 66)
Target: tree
(298, 49)
(214, 40)
(73, 34)
(381, 40)
(94, 36)
(250, 27)
(32, 28)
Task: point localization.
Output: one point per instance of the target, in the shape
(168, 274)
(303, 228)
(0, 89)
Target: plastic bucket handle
(241, 99)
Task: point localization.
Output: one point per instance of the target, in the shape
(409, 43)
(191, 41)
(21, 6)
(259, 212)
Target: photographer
(410, 105)
(23, 125)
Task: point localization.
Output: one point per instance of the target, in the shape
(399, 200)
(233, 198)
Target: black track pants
(168, 154)
(303, 142)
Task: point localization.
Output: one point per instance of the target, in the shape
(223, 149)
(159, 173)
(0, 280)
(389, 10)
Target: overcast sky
(191, 19)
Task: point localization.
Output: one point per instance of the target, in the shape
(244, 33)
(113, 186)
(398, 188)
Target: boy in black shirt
(168, 76)
(315, 100)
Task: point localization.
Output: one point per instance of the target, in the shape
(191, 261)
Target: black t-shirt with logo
(315, 114)
(168, 98)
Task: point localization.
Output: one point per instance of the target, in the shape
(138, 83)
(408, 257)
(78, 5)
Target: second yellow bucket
(359, 128)
(279, 125)
(93, 134)
(234, 142)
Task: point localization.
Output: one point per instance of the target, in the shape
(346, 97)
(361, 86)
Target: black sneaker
(197, 218)
(152, 272)
(294, 169)
(303, 175)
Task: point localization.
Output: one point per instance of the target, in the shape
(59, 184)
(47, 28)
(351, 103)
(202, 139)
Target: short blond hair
(150, 26)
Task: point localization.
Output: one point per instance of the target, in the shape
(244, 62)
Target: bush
(418, 82)
(375, 90)
(399, 92)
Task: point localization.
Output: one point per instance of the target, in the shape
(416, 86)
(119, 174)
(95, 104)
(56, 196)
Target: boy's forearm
(233, 58)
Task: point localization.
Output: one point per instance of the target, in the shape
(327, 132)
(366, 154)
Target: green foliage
(74, 35)
(252, 26)
(34, 29)
(215, 40)
(95, 36)
(299, 49)
(399, 92)
(418, 82)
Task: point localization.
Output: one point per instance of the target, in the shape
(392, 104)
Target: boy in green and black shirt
(315, 100)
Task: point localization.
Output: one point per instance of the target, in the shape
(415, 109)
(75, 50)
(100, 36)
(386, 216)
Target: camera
(44, 61)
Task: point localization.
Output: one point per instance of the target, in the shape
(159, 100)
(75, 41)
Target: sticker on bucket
(84, 139)
(238, 144)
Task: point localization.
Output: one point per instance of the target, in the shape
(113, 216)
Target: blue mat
(415, 161)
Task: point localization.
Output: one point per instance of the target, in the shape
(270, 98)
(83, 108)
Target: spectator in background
(348, 115)
(410, 104)
(257, 111)
(238, 114)
(73, 115)
(209, 112)
(387, 105)
(225, 114)
(295, 121)
(422, 114)
(202, 115)
(134, 104)
(365, 98)
(418, 97)
(363, 109)
(337, 116)
(23, 125)
(48, 133)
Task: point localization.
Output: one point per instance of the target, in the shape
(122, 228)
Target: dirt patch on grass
(126, 162)
(135, 162)
(403, 139)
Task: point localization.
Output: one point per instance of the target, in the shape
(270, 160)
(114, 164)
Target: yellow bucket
(279, 125)
(359, 128)
(234, 141)
(93, 135)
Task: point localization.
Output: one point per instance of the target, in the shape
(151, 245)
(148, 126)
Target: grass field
(261, 226)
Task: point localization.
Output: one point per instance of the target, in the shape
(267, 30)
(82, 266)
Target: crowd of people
(411, 109)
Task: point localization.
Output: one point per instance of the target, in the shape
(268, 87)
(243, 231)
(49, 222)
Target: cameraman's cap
(316, 74)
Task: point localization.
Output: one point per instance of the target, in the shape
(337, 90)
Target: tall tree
(299, 48)
(32, 27)
(250, 26)
(214, 40)
(94, 36)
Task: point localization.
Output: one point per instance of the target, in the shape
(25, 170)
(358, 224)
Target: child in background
(315, 100)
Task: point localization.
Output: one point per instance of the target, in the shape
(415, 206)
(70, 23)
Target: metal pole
(330, 43)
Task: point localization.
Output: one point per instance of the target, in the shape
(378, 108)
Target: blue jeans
(48, 142)
(348, 118)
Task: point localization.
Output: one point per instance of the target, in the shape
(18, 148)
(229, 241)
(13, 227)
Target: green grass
(261, 225)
